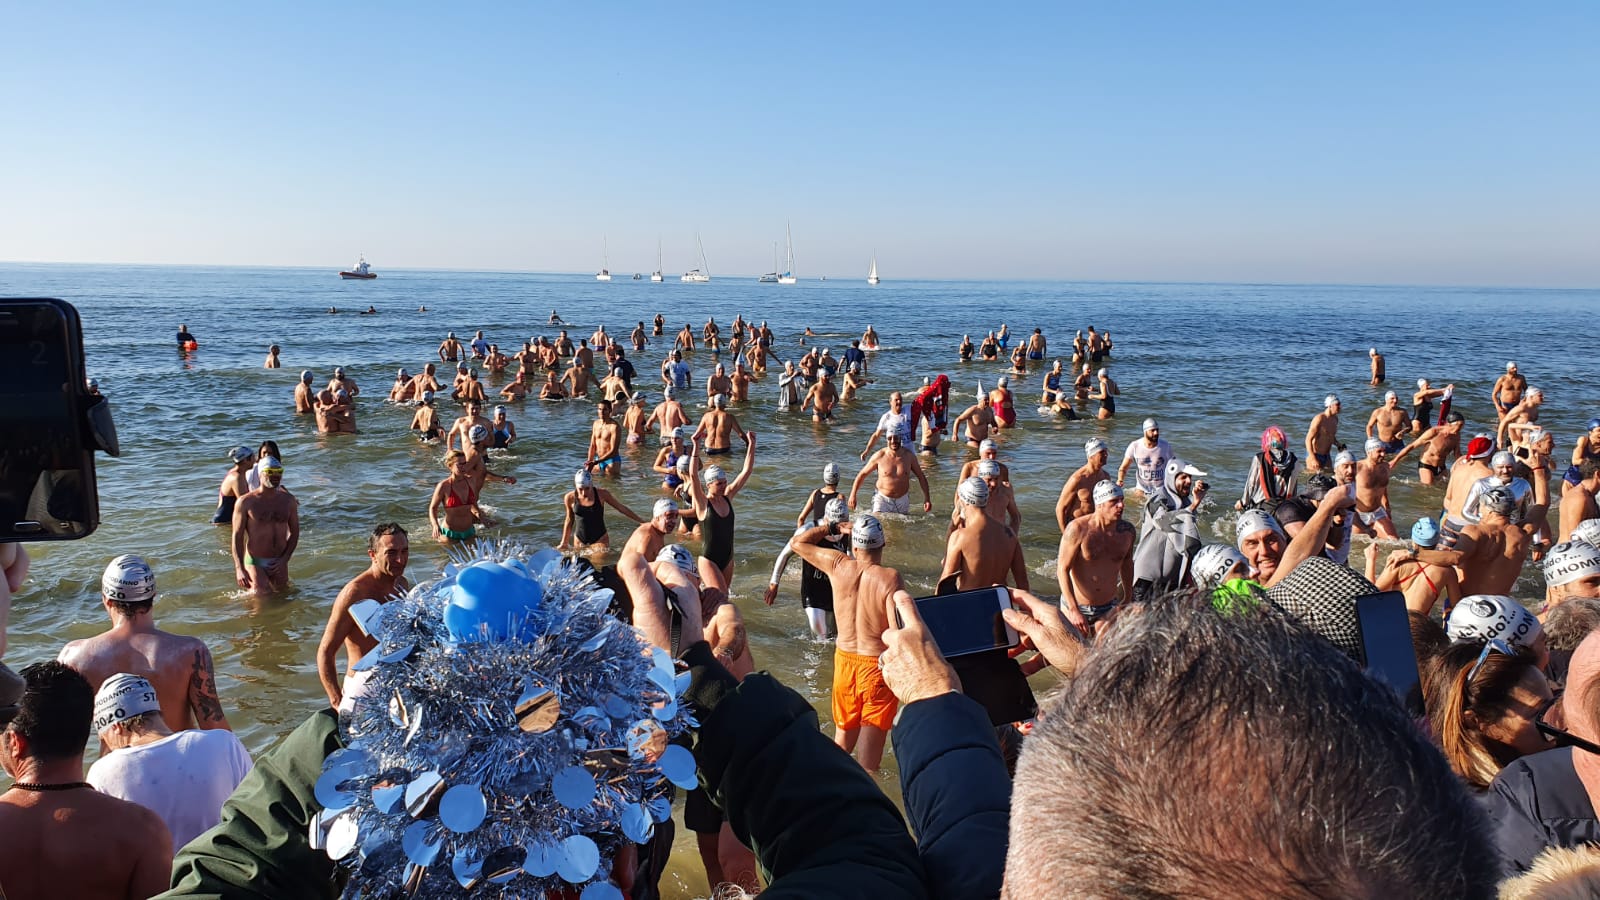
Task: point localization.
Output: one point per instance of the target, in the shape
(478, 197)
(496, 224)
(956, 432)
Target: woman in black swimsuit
(713, 506)
(585, 523)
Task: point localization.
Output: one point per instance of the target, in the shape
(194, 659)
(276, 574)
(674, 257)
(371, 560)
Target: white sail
(788, 268)
(605, 269)
(656, 275)
(702, 274)
(872, 275)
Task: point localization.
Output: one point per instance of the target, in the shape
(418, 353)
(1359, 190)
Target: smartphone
(967, 622)
(47, 441)
(1387, 648)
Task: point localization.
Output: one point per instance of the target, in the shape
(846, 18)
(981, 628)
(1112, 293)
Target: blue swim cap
(1594, 423)
(1425, 533)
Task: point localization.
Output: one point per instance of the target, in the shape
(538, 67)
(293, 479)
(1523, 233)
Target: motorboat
(360, 271)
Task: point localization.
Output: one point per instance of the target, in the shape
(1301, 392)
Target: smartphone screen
(968, 622)
(46, 471)
(1386, 643)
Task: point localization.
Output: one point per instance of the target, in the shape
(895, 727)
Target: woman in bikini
(454, 507)
(1421, 583)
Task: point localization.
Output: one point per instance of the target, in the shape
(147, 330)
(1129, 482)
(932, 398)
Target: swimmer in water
(1003, 404)
(502, 429)
(552, 389)
(853, 382)
(674, 450)
(966, 350)
(635, 419)
(1422, 403)
(449, 348)
(1322, 438)
(427, 381)
(235, 484)
(272, 358)
(425, 423)
(1508, 390)
(1388, 422)
(577, 378)
(1107, 396)
(453, 509)
(668, 415)
(717, 428)
(605, 441)
(304, 397)
(980, 421)
(584, 527)
(461, 428)
(822, 398)
(266, 531)
(1037, 346)
(869, 339)
(1379, 372)
(404, 388)
(790, 385)
(1052, 386)
(518, 388)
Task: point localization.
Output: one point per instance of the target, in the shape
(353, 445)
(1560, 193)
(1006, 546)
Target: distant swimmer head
(1106, 492)
(1498, 500)
(713, 474)
(974, 492)
(1425, 533)
(1587, 531)
(582, 479)
(1273, 438)
(1571, 561)
(830, 473)
(128, 579)
(1511, 366)
(240, 454)
(1252, 522)
(837, 510)
(1004, 381)
(305, 376)
(1216, 563)
(1376, 445)
(1330, 401)
(338, 371)
(402, 375)
(1390, 397)
(1093, 446)
(478, 434)
(866, 532)
(666, 506)
(987, 468)
(1479, 447)
(678, 555)
(987, 446)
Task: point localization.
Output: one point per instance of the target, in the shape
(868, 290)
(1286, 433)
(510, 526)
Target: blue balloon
(487, 598)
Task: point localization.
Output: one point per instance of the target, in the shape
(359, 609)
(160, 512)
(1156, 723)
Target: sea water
(1215, 364)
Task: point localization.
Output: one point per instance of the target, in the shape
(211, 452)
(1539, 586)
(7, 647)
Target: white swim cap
(1373, 351)
(836, 511)
(1003, 381)
(338, 371)
(1330, 401)
(1093, 446)
(720, 401)
(713, 473)
(830, 473)
(988, 444)
(866, 532)
(128, 579)
(974, 492)
(1255, 521)
(122, 697)
(1570, 561)
(1345, 456)
(582, 479)
(1498, 500)
(1587, 531)
(664, 506)
(499, 410)
(1390, 395)
(1483, 617)
(478, 434)
(240, 453)
(987, 468)
(678, 555)
(1151, 425)
(1213, 563)
(1104, 372)
(402, 373)
(1503, 458)
(1105, 491)
(1511, 366)
(1376, 444)
(682, 465)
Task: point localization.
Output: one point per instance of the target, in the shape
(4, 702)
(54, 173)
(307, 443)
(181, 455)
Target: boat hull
(358, 276)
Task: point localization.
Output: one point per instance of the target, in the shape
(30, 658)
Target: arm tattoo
(203, 691)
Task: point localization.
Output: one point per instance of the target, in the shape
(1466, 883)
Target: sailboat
(872, 274)
(788, 266)
(656, 275)
(702, 274)
(771, 277)
(605, 268)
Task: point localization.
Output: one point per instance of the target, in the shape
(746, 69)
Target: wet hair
(1588, 467)
(1472, 755)
(269, 448)
(130, 608)
(1428, 638)
(383, 531)
(452, 456)
(1279, 722)
(56, 712)
(1569, 622)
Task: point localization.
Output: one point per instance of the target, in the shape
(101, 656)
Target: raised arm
(697, 491)
(1315, 534)
(809, 547)
(650, 613)
(749, 466)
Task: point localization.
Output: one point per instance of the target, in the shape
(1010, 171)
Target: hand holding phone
(911, 663)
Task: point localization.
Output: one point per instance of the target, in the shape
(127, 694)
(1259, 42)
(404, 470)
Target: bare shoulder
(1124, 526)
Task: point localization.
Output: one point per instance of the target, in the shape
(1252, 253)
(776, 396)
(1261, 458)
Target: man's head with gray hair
(1200, 755)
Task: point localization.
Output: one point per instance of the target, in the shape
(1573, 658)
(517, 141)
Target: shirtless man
(427, 381)
(1519, 418)
(667, 415)
(895, 465)
(898, 418)
(863, 591)
(980, 421)
(659, 593)
(518, 388)
(741, 381)
(1036, 345)
(235, 484)
(1378, 370)
(1095, 563)
(1508, 390)
(461, 428)
(640, 341)
(822, 396)
(266, 530)
(685, 341)
(718, 383)
(988, 450)
(1372, 490)
(717, 428)
(179, 667)
(854, 381)
(1578, 500)
(1467, 471)
(404, 388)
(1002, 502)
(1491, 552)
(1077, 495)
(449, 348)
(425, 423)
(335, 413)
(304, 397)
(1422, 583)
(563, 345)
(981, 550)
(1388, 422)
(526, 358)
(552, 389)
(605, 442)
(342, 382)
(1322, 438)
(64, 839)
(472, 389)
(577, 378)
(389, 549)
(1438, 444)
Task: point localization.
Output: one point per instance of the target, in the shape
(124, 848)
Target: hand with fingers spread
(1043, 625)
(912, 665)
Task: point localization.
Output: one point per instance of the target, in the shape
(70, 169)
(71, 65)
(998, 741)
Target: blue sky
(1260, 142)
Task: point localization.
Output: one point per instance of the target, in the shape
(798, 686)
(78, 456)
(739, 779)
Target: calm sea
(1216, 364)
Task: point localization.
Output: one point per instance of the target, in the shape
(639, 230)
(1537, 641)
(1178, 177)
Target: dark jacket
(818, 823)
(1538, 802)
(957, 794)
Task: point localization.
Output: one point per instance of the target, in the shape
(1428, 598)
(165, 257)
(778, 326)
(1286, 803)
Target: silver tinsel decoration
(511, 736)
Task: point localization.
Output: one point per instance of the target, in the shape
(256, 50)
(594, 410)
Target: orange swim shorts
(859, 695)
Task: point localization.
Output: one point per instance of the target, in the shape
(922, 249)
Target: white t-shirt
(183, 778)
(1150, 462)
(900, 421)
